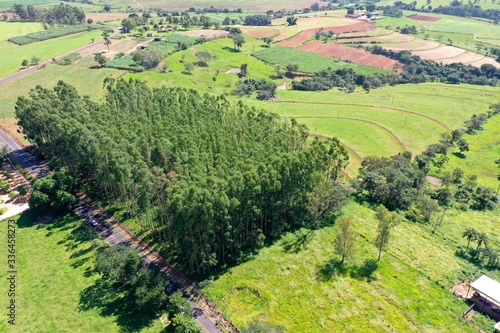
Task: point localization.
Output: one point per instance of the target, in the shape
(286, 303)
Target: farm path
(205, 313)
(29, 70)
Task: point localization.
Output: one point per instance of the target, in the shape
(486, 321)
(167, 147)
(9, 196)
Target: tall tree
(386, 222)
(482, 239)
(345, 241)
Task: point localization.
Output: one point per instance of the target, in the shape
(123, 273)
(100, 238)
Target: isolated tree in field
(243, 70)
(35, 60)
(4, 185)
(386, 222)
(4, 153)
(204, 58)
(345, 241)
(107, 42)
(267, 41)
(482, 239)
(188, 67)
(100, 59)
(25, 63)
(238, 41)
(291, 20)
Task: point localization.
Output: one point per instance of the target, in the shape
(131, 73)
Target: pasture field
(299, 289)
(7, 4)
(54, 263)
(308, 62)
(485, 4)
(45, 50)
(466, 26)
(484, 150)
(48, 77)
(255, 6)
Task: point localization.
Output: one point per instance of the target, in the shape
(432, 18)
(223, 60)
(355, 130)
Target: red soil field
(307, 34)
(424, 18)
(342, 52)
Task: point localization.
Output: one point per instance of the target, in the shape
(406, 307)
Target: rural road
(114, 233)
(31, 69)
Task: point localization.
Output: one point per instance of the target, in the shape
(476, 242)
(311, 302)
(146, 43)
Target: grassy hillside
(44, 50)
(48, 77)
(54, 264)
(300, 290)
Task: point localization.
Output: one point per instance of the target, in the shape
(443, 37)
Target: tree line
(56, 15)
(415, 70)
(209, 179)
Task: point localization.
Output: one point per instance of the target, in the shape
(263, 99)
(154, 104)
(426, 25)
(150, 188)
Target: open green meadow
(299, 289)
(308, 62)
(45, 50)
(485, 4)
(7, 4)
(484, 150)
(48, 77)
(53, 264)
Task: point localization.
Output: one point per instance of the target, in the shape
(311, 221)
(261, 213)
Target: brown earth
(103, 17)
(209, 34)
(260, 32)
(424, 18)
(10, 127)
(357, 56)
(309, 33)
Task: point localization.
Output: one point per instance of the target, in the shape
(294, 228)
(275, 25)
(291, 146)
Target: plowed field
(342, 52)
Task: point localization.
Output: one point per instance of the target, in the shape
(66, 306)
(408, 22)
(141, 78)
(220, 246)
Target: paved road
(114, 233)
(48, 62)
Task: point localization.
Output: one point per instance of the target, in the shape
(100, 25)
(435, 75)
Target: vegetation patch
(52, 33)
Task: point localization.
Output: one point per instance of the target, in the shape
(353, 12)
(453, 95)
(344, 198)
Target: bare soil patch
(309, 33)
(125, 45)
(434, 180)
(103, 17)
(208, 34)
(411, 45)
(439, 53)
(483, 61)
(424, 18)
(394, 37)
(343, 52)
(9, 126)
(260, 32)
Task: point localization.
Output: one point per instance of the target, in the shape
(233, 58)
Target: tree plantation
(210, 179)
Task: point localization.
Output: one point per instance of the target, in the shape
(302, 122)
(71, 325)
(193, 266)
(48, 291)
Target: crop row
(52, 33)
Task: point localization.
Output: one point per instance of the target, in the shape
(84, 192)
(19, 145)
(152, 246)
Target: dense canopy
(211, 179)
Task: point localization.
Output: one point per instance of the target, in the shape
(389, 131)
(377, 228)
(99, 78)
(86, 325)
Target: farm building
(486, 296)
(149, 34)
(162, 29)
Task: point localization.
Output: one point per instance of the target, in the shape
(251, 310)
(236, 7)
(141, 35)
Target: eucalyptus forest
(212, 179)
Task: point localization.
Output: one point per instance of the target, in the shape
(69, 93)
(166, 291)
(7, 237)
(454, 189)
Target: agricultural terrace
(7, 4)
(44, 50)
(54, 264)
(475, 36)
(488, 4)
(387, 120)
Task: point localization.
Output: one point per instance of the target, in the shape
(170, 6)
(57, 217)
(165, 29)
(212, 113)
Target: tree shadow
(102, 297)
(331, 268)
(275, 77)
(298, 242)
(459, 155)
(365, 270)
(186, 73)
(230, 49)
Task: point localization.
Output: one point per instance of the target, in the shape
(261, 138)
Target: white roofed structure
(488, 287)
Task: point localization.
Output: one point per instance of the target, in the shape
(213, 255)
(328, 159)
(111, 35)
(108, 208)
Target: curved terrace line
(437, 121)
(385, 128)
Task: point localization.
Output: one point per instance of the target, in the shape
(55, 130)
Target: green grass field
(484, 150)
(7, 4)
(407, 293)
(45, 50)
(308, 62)
(53, 264)
(48, 77)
